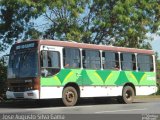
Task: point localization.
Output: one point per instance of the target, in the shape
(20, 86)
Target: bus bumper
(32, 94)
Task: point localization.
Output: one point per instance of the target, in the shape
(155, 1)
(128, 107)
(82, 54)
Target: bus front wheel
(69, 96)
(127, 95)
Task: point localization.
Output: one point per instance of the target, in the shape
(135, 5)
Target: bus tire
(69, 96)
(127, 95)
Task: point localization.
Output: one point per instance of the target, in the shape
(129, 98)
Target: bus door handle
(78, 75)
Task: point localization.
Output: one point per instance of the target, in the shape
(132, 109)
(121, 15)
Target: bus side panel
(52, 86)
(110, 83)
(117, 78)
(94, 83)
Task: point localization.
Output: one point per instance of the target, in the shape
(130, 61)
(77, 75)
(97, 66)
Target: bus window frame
(100, 59)
(118, 60)
(134, 63)
(46, 69)
(67, 66)
(153, 62)
(59, 58)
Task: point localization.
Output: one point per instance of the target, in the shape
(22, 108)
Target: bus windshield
(23, 64)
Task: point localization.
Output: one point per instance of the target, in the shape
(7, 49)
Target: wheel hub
(69, 96)
(128, 94)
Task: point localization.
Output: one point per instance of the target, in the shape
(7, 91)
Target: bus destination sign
(25, 46)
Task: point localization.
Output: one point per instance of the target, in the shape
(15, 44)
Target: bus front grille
(19, 95)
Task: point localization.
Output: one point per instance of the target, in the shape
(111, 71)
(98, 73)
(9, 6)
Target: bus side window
(91, 59)
(71, 58)
(84, 59)
(50, 63)
(44, 59)
(110, 60)
(41, 59)
(145, 62)
(134, 62)
(128, 61)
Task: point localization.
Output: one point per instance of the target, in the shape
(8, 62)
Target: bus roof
(93, 46)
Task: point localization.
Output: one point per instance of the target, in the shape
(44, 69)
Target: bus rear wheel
(127, 95)
(69, 96)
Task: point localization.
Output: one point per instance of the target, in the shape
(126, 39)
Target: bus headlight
(10, 89)
(29, 88)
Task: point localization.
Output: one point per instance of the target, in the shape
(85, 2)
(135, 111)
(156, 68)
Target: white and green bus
(48, 69)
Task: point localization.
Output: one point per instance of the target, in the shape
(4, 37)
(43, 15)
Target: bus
(49, 69)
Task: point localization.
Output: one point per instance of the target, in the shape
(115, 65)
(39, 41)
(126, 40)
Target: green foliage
(15, 20)
(3, 77)
(158, 91)
(64, 17)
(158, 71)
(116, 22)
(158, 74)
(126, 21)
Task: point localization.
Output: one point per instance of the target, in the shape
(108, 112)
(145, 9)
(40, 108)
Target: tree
(116, 22)
(158, 73)
(122, 22)
(3, 77)
(16, 21)
(158, 76)
(64, 17)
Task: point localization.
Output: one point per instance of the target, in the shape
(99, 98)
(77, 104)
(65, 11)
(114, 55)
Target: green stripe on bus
(99, 77)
